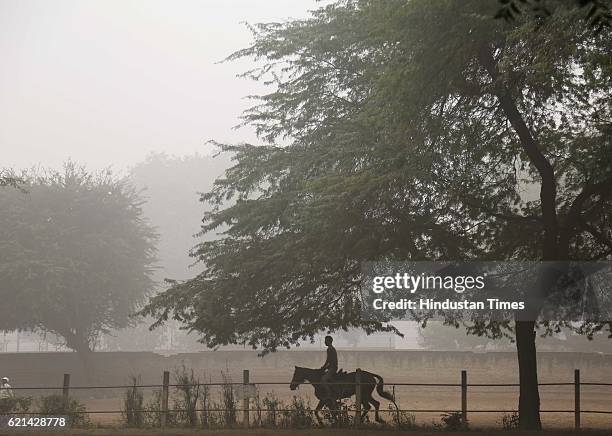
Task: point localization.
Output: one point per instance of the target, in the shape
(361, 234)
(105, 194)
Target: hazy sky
(104, 82)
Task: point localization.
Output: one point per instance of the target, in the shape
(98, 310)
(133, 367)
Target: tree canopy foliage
(76, 254)
(416, 130)
(404, 130)
(597, 15)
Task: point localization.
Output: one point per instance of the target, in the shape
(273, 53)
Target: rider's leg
(325, 380)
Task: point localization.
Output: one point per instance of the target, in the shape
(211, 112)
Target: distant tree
(404, 130)
(76, 255)
(171, 186)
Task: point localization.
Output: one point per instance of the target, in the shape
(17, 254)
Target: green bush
(15, 404)
(510, 422)
(227, 398)
(153, 411)
(344, 416)
(187, 396)
(72, 409)
(453, 421)
(298, 414)
(133, 404)
(403, 420)
(272, 405)
(208, 418)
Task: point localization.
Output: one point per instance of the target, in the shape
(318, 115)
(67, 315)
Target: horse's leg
(376, 405)
(365, 407)
(334, 409)
(316, 411)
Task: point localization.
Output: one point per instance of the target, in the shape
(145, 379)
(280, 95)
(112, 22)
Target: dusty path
(314, 432)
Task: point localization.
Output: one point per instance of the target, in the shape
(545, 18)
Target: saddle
(340, 374)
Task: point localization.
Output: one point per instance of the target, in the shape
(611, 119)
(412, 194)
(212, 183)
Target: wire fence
(246, 397)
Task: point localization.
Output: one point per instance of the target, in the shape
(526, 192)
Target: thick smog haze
(105, 83)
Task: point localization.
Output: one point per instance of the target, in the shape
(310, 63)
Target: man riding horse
(330, 366)
(330, 386)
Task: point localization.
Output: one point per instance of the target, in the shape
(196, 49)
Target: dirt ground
(445, 400)
(314, 432)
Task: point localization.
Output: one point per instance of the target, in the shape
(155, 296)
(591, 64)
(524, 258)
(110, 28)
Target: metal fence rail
(464, 385)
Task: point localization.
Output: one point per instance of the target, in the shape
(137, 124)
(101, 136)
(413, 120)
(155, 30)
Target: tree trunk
(79, 344)
(529, 399)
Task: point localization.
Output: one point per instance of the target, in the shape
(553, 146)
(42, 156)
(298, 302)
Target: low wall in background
(114, 368)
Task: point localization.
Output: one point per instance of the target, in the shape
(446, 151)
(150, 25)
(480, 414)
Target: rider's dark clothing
(330, 367)
(331, 364)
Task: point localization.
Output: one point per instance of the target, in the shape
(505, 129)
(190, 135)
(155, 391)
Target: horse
(342, 387)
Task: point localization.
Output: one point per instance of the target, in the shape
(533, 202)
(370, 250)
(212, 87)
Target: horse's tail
(380, 389)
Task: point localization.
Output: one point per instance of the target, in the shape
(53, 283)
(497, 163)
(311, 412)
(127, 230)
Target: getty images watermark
(493, 291)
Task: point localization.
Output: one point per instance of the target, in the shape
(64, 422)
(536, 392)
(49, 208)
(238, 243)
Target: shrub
(153, 411)
(187, 396)
(510, 421)
(133, 404)
(228, 401)
(257, 408)
(272, 405)
(344, 415)
(298, 414)
(207, 417)
(403, 420)
(15, 404)
(72, 409)
(453, 421)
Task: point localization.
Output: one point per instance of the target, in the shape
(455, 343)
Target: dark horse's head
(299, 377)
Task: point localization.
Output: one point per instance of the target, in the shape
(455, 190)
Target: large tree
(404, 130)
(76, 255)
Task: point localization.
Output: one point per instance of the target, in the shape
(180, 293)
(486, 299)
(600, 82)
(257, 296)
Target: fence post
(66, 390)
(464, 387)
(164, 398)
(577, 399)
(358, 396)
(245, 397)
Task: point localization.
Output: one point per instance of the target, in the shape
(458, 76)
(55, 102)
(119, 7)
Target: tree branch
(573, 215)
(548, 190)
